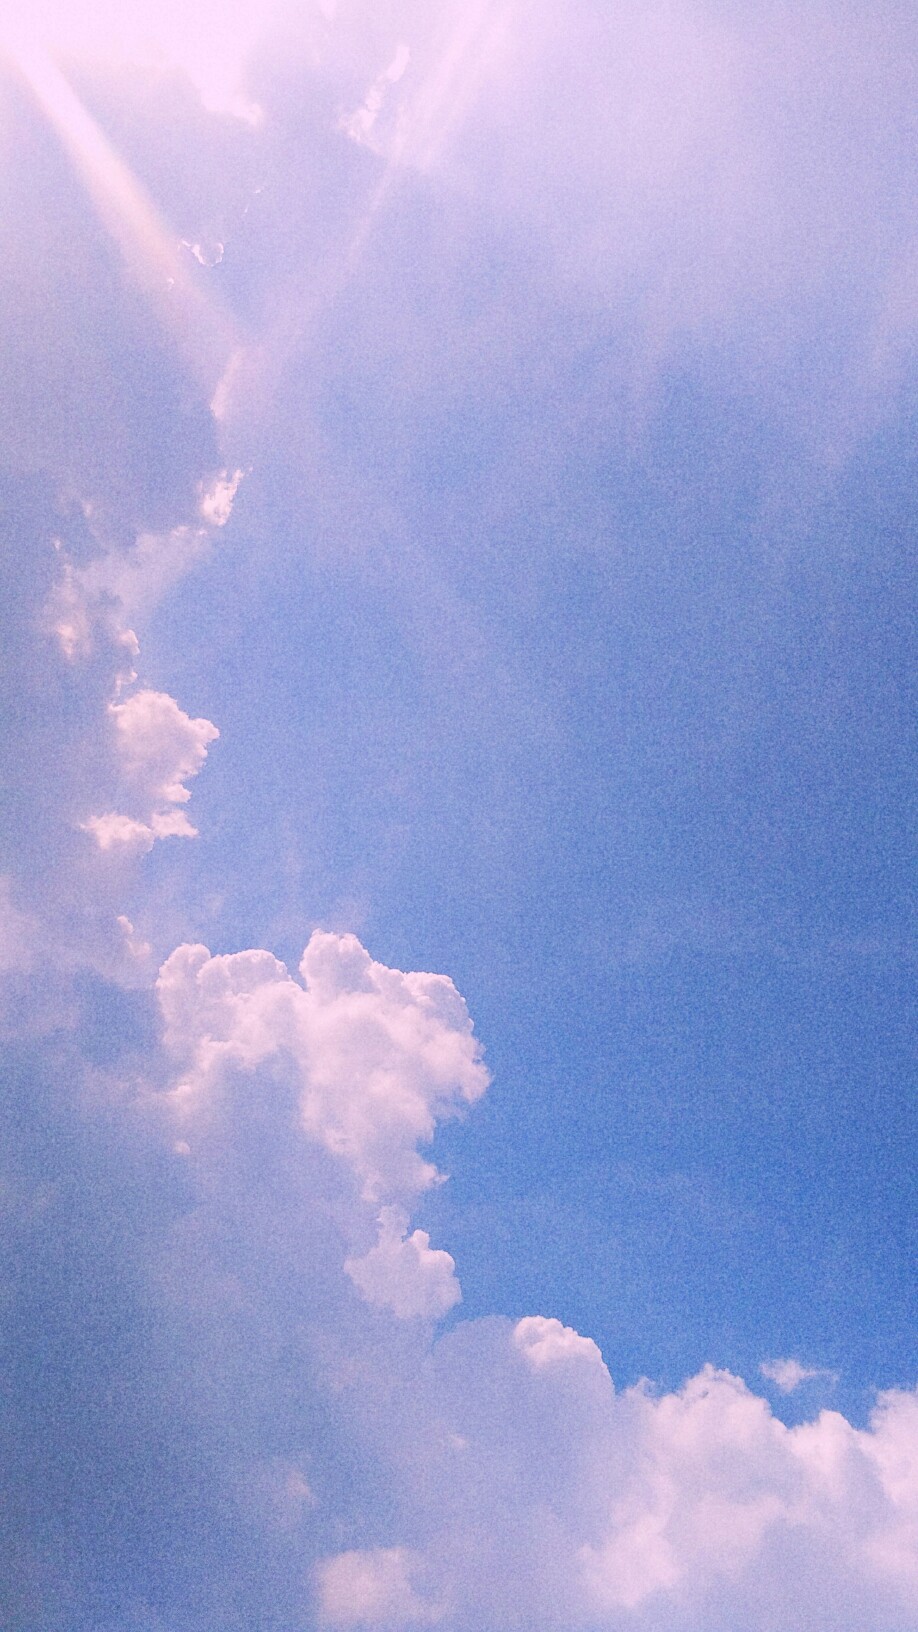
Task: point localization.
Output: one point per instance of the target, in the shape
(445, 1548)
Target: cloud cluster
(279, 1322)
(95, 764)
(521, 1487)
(559, 1503)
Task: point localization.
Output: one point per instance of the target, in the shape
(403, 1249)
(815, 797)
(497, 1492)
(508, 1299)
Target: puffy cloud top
(545, 1342)
(403, 1272)
(159, 747)
(379, 1056)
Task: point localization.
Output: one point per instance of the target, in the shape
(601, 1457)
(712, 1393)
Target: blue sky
(458, 494)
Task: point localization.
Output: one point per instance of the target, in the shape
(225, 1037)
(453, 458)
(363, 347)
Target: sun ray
(202, 332)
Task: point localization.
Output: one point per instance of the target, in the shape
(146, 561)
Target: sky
(457, 911)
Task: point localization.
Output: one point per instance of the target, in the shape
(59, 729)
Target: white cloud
(379, 1056)
(546, 1342)
(404, 1273)
(112, 831)
(136, 947)
(120, 586)
(507, 1483)
(715, 1514)
(372, 1589)
(159, 747)
(217, 499)
(360, 124)
(545, 1499)
(521, 1489)
(789, 1374)
(139, 578)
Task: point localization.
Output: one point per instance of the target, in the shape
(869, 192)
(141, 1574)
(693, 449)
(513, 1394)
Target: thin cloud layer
(374, 1588)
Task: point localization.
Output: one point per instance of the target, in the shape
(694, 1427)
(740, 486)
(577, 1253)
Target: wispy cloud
(787, 1375)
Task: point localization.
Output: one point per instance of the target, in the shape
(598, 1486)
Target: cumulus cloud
(492, 1476)
(62, 752)
(87, 751)
(256, 1366)
(121, 833)
(159, 748)
(520, 1483)
(159, 745)
(551, 1500)
(379, 1055)
(718, 1493)
(547, 1342)
(403, 1273)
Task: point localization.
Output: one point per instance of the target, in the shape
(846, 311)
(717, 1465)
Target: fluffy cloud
(379, 1056)
(84, 748)
(490, 1476)
(159, 747)
(719, 1493)
(556, 1502)
(403, 1273)
(548, 1342)
(521, 1488)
